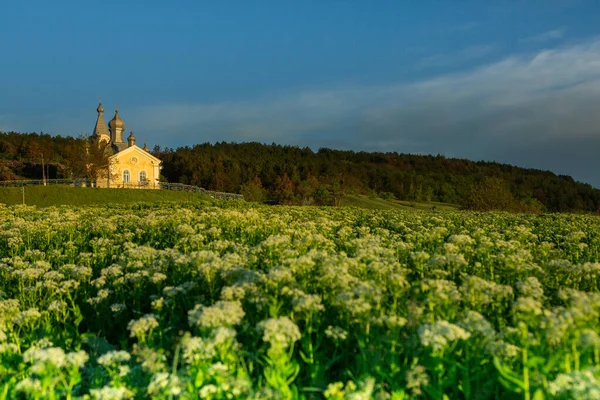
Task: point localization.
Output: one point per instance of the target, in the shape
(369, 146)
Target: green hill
(292, 175)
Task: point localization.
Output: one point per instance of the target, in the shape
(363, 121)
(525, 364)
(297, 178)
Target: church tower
(131, 139)
(100, 130)
(117, 127)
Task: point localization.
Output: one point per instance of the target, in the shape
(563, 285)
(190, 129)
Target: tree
(89, 158)
(338, 191)
(491, 194)
(284, 187)
(36, 153)
(253, 190)
(321, 196)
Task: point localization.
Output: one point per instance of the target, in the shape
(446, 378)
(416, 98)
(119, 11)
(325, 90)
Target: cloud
(465, 55)
(538, 110)
(545, 37)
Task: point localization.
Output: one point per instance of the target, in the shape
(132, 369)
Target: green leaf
(539, 395)
(509, 379)
(96, 344)
(399, 395)
(536, 361)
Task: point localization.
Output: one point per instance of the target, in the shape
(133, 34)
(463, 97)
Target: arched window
(142, 177)
(126, 176)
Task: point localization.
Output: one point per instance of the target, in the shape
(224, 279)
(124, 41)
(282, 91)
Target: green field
(46, 196)
(376, 203)
(55, 195)
(199, 301)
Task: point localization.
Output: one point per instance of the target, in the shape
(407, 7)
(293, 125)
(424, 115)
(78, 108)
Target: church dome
(100, 109)
(116, 122)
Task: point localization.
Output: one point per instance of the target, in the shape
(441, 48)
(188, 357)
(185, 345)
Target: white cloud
(554, 34)
(465, 55)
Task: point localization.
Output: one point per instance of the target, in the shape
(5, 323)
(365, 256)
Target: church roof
(136, 149)
(119, 146)
(100, 128)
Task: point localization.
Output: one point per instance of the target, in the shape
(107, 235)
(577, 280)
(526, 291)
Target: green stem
(526, 375)
(575, 355)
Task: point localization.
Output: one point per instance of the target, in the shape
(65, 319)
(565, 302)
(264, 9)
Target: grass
(47, 196)
(376, 203)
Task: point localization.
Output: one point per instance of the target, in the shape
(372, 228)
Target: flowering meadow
(198, 301)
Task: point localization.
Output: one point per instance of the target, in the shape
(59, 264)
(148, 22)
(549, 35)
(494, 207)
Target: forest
(279, 174)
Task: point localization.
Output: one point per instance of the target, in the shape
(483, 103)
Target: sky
(510, 81)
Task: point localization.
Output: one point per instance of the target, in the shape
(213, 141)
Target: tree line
(279, 174)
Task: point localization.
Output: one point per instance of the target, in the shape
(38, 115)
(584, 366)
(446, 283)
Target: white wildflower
(111, 393)
(57, 306)
(54, 356)
(417, 378)
(158, 304)
(114, 357)
(163, 383)
(158, 277)
(29, 386)
(503, 350)
(142, 326)
(440, 334)
(336, 333)
(152, 361)
(118, 307)
(196, 349)
(306, 303)
(531, 287)
(232, 293)
(100, 297)
(77, 358)
(589, 339)
(223, 336)
(28, 316)
(208, 391)
(8, 348)
(528, 306)
(420, 257)
(222, 313)
(461, 239)
(280, 332)
(280, 275)
(577, 385)
(476, 324)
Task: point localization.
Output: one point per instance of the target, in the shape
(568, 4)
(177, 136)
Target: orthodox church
(129, 165)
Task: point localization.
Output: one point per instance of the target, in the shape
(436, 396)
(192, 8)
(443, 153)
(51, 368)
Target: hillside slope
(292, 175)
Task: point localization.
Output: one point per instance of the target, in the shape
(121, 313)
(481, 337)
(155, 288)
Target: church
(130, 166)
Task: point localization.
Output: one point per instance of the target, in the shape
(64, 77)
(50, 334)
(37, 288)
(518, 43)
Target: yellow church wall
(121, 162)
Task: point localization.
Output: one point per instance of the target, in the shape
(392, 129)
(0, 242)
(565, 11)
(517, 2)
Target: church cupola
(146, 147)
(131, 139)
(116, 126)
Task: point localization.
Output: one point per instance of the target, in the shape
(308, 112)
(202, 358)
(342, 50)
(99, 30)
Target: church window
(142, 176)
(126, 176)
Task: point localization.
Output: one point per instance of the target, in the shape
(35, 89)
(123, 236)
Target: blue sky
(509, 81)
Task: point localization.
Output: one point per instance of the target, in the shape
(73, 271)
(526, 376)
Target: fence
(85, 183)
